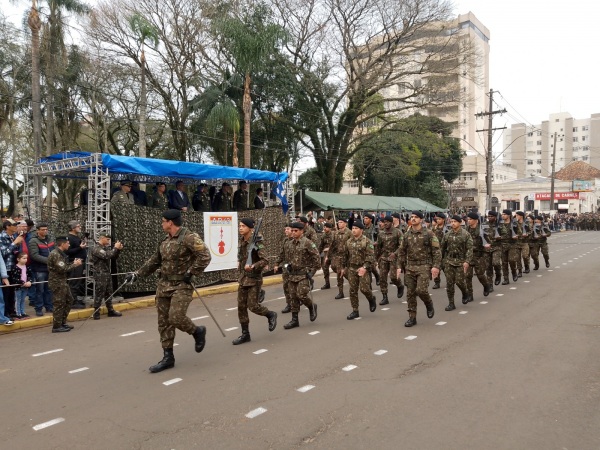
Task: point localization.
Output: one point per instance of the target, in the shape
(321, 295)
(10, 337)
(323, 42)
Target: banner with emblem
(221, 237)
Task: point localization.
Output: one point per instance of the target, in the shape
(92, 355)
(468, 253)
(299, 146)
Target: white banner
(221, 236)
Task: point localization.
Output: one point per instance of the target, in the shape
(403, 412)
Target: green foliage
(311, 180)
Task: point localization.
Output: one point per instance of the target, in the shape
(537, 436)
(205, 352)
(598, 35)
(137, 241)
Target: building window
(539, 143)
(539, 171)
(585, 128)
(574, 129)
(530, 162)
(539, 133)
(576, 139)
(530, 134)
(539, 161)
(583, 138)
(539, 152)
(556, 120)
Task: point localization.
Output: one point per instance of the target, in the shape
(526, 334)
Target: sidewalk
(133, 303)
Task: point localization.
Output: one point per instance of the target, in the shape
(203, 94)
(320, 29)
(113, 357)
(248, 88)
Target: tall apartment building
(530, 148)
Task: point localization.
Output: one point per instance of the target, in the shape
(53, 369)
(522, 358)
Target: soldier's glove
(309, 274)
(187, 277)
(131, 277)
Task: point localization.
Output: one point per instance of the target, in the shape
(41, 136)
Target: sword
(104, 301)
(209, 311)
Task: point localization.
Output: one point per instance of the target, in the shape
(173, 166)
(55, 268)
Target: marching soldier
(457, 251)
(102, 254)
(309, 231)
(495, 260)
(386, 253)
(358, 260)
(371, 233)
(336, 254)
(303, 262)
(180, 256)
(282, 262)
(250, 280)
(539, 241)
(508, 239)
(324, 245)
(58, 270)
(524, 233)
(420, 258)
(439, 228)
(479, 258)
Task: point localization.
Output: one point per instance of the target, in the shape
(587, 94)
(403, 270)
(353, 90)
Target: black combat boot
(520, 273)
(326, 285)
(470, 297)
(340, 295)
(199, 338)
(96, 314)
(436, 285)
(505, 281)
(245, 337)
(66, 325)
(272, 317)
(292, 323)
(376, 275)
(167, 362)
(400, 291)
(526, 269)
(287, 309)
(372, 303)
(498, 279)
(384, 300)
(112, 312)
(536, 265)
(491, 288)
(487, 289)
(61, 329)
(313, 312)
(465, 298)
(261, 296)
(515, 276)
(547, 263)
(450, 306)
(412, 319)
(430, 310)
(353, 315)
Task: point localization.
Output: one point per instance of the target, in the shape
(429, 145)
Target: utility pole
(489, 158)
(552, 176)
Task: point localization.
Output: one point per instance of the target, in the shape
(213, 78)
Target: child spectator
(3, 319)
(22, 276)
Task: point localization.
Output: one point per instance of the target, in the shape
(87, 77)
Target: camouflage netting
(139, 228)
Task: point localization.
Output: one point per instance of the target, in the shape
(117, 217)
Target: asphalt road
(519, 369)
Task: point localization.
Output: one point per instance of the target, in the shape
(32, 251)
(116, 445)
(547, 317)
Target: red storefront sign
(557, 195)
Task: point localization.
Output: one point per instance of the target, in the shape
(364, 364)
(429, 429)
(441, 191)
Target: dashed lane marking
(464, 312)
(79, 370)
(173, 381)
(48, 352)
(312, 333)
(526, 281)
(483, 303)
(48, 424)
(199, 318)
(380, 352)
(256, 412)
(349, 368)
(231, 309)
(513, 288)
(262, 350)
(306, 388)
(410, 338)
(499, 295)
(231, 329)
(441, 323)
(131, 334)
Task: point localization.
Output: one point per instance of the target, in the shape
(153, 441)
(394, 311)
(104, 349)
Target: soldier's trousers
(325, 265)
(172, 301)
(523, 255)
(417, 283)
(534, 253)
(63, 300)
(494, 264)
(286, 288)
(479, 266)
(363, 283)
(103, 290)
(247, 299)
(544, 249)
(455, 275)
(386, 267)
(510, 254)
(299, 294)
(337, 266)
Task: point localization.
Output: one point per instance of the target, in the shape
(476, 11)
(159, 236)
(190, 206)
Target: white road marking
(513, 288)
(410, 338)
(48, 424)
(380, 352)
(131, 334)
(280, 298)
(79, 370)
(256, 412)
(349, 368)
(306, 388)
(526, 281)
(483, 303)
(570, 260)
(404, 302)
(385, 309)
(262, 350)
(201, 317)
(175, 344)
(231, 309)
(231, 329)
(357, 318)
(173, 381)
(312, 333)
(464, 312)
(540, 276)
(441, 323)
(48, 352)
(499, 295)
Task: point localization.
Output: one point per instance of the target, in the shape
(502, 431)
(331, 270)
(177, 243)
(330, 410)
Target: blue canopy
(148, 169)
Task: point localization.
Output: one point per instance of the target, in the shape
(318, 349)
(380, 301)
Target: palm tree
(35, 24)
(145, 32)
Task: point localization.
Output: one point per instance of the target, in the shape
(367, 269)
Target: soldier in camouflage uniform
(508, 239)
(495, 260)
(250, 280)
(240, 197)
(180, 256)
(371, 233)
(439, 228)
(524, 231)
(539, 241)
(281, 262)
(324, 245)
(359, 257)
(386, 253)
(309, 231)
(419, 258)
(201, 199)
(222, 200)
(58, 270)
(479, 259)
(102, 254)
(302, 256)
(336, 254)
(124, 195)
(159, 199)
(457, 251)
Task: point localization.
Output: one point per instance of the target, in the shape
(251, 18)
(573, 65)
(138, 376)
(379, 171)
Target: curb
(141, 302)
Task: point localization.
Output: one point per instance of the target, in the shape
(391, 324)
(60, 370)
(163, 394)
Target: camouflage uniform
(478, 262)
(303, 256)
(58, 270)
(538, 243)
(359, 253)
(495, 251)
(371, 233)
(509, 250)
(176, 255)
(439, 234)
(386, 253)
(419, 252)
(121, 197)
(457, 248)
(336, 255)
(250, 282)
(310, 233)
(101, 257)
(240, 200)
(159, 201)
(222, 201)
(524, 231)
(324, 248)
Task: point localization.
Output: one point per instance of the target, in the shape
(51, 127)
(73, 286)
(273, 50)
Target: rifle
(482, 233)
(253, 241)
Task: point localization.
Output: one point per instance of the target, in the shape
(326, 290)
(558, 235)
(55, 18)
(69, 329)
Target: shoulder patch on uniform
(61, 264)
(313, 245)
(102, 251)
